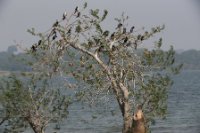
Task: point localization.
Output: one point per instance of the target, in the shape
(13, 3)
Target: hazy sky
(181, 18)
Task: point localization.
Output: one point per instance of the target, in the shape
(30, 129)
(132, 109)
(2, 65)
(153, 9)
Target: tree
(31, 101)
(108, 61)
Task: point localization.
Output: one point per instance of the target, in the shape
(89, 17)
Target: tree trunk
(37, 128)
(126, 109)
(127, 118)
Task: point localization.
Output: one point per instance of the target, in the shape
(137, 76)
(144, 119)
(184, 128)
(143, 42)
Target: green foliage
(123, 60)
(95, 13)
(30, 98)
(108, 64)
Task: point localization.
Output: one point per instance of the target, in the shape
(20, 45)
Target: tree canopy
(96, 61)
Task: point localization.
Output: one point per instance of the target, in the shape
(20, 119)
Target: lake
(183, 112)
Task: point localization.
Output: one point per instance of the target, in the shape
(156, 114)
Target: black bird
(69, 31)
(76, 10)
(54, 37)
(78, 15)
(39, 42)
(131, 30)
(119, 25)
(142, 38)
(124, 30)
(33, 48)
(56, 23)
(106, 33)
(64, 15)
(112, 36)
(125, 40)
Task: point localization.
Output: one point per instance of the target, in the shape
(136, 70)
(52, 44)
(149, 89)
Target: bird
(142, 38)
(56, 23)
(119, 25)
(112, 36)
(132, 28)
(78, 14)
(54, 37)
(39, 42)
(124, 30)
(106, 33)
(64, 15)
(33, 48)
(76, 10)
(125, 40)
(69, 31)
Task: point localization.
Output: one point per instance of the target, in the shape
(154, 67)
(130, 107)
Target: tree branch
(3, 120)
(105, 67)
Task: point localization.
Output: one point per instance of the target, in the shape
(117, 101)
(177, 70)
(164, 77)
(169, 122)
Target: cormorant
(119, 25)
(64, 15)
(124, 30)
(112, 36)
(76, 10)
(125, 40)
(131, 30)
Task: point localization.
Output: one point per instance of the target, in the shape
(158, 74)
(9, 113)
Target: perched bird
(39, 42)
(76, 10)
(124, 30)
(106, 33)
(78, 14)
(112, 36)
(64, 15)
(142, 38)
(125, 40)
(132, 28)
(33, 48)
(69, 31)
(56, 23)
(119, 26)
(54, 37)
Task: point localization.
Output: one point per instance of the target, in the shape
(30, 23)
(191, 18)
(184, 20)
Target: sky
(181, 18)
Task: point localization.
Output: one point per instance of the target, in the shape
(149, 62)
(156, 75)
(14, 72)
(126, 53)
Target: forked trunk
(36, 125)
(38, 129)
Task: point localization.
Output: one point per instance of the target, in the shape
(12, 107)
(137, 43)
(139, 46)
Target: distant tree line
(10, 60)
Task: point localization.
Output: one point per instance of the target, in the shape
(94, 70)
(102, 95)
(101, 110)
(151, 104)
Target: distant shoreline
(4, 73)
